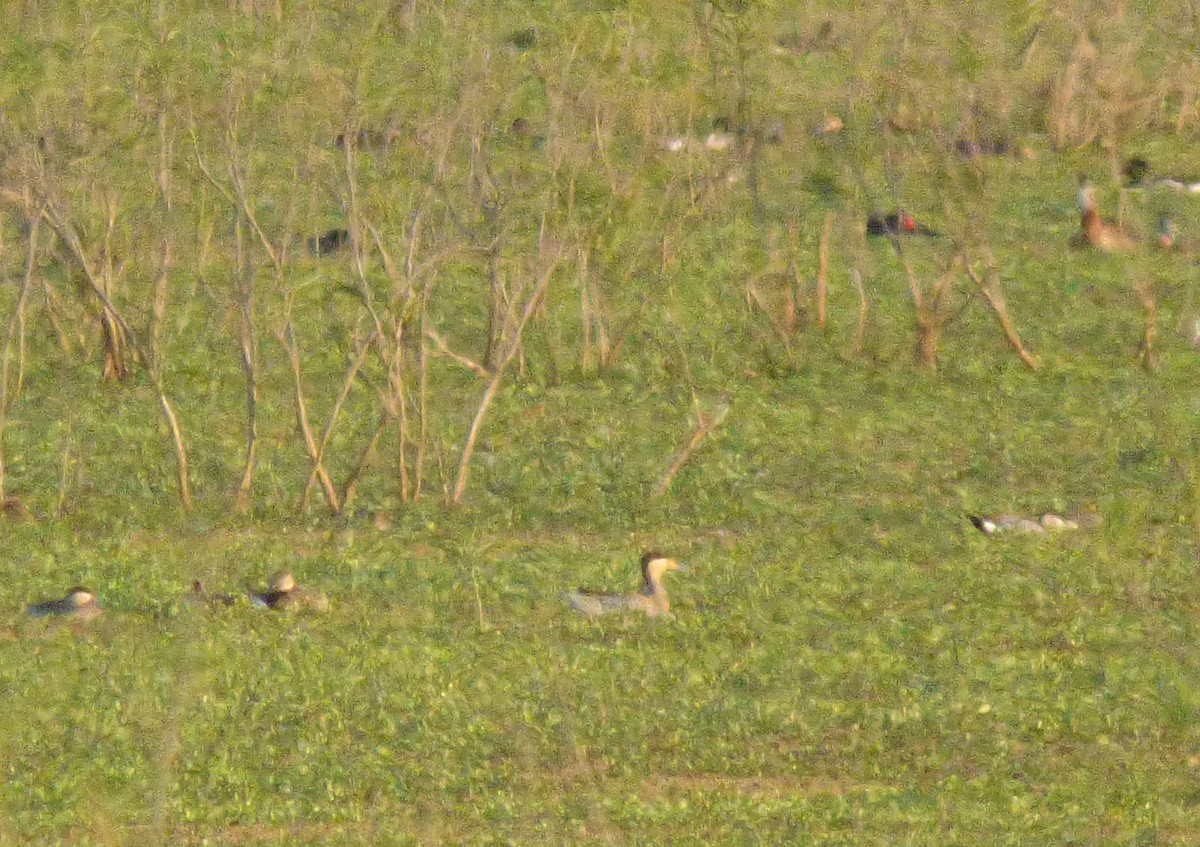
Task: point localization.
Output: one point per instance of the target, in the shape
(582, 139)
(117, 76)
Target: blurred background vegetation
(568, 192)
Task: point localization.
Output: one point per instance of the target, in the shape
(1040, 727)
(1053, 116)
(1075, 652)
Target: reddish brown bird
(1094, 232)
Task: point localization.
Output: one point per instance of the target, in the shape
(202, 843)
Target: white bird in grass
(652, 600)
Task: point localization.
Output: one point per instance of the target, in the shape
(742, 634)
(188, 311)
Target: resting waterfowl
(198, 596)
(285, 593)
(898, 223)
(970, 148)
(1094, 232)
(801, 43)
(1012, 524)
(13, 508)
(831, 125)
(373, 140)
(79, 603)
(1166, 233)
(1137, 174)
(651, 601)
(520, 40)
(719, 140)
(1191, 331)
(330, 242)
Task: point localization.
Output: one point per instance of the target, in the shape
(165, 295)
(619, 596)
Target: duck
(829, 125)
(720, 138)
(1167, 237)
(898, 223)
(333, 241)
(285, 593)
(200, 597)
(1191, 331)
(652, 600)
(971, 148)
(79, 603)
(799, 43)
(1011, 524)
(1166, 234)
(1138, 174)
(521, 40)
(11, 507)
(1093, 231)
(372, 140)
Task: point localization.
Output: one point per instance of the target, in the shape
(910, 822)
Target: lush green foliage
(849, 661)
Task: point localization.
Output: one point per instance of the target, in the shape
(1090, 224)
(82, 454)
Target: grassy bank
(849, 661)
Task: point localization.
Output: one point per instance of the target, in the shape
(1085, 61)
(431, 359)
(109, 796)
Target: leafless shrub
(1099, 93)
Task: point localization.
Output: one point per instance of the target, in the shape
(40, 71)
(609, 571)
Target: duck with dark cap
(652, 600)
(79, 603)
(285, 594)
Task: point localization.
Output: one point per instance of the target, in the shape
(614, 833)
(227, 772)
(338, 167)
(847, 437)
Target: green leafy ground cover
(849, 662)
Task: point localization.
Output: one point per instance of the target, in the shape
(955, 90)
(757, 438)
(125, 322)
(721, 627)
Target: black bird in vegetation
(331, 242)
(365, 139)
(11, 507)
(200, 597)
(898, 223)
(522, 39)
(967, 148)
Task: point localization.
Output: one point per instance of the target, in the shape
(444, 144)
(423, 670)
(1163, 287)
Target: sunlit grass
(848, 661)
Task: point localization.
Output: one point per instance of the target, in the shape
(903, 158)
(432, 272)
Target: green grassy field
(848, 662)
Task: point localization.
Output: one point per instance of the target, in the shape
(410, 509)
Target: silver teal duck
(79, 603)
(1011, 524)
(284, 594)
(652, 600)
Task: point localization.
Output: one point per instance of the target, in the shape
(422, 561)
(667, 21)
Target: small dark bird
(1135, 171)
(970, 149)
(200, 597)
(521, 40)
(365, 139)
(800, 43)
(79, 603)
(898, 223)
(13, 508)
(1166, 232)
(331, 242)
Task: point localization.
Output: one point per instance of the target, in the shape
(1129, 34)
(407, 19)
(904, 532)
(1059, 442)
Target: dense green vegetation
(849, 661)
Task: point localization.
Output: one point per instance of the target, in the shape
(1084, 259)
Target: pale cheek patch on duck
(79, 603)
(651, 601)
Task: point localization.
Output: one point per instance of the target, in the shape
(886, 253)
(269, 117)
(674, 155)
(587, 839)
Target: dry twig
(995, 298)
(705, 426)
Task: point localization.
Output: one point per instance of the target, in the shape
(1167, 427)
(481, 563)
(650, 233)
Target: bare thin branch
(704, 428)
